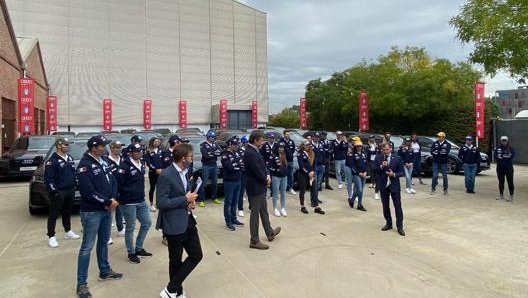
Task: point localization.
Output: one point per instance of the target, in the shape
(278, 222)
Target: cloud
(308, 39)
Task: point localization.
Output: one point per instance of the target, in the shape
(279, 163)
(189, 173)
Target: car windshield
(33, 143)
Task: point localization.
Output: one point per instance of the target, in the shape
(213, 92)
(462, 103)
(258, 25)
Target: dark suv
(25, 156)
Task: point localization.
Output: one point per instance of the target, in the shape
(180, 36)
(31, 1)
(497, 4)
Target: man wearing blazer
(257, 179)
(390, 168)
(175, 202)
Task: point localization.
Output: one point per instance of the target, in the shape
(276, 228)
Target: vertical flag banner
(147, 114)
(303, 119)
(479, 109)
(223, 113)
(254, 114)
(183, 113)
(26, 104)
(107, 114)
(51, 113)
(363, 111)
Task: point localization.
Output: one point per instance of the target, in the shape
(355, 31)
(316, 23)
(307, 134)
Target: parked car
(38, 192)
(165, 132)
(25, 155)
(65, 134)
(454, 164)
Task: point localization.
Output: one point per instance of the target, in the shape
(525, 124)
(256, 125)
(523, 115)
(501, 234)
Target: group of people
(116, 181)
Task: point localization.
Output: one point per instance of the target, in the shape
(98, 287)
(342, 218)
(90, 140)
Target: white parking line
(14, 237)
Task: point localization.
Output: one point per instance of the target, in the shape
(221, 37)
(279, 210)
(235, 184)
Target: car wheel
(452, 166)
(33, 211)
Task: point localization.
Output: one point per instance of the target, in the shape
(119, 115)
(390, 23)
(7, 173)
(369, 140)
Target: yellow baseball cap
(441, 134)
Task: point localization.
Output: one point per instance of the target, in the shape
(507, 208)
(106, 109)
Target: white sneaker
(241, 213)
(276, 212)
(153, 208)
(340, 186)
(71, 235)
(408, 190)
(165, 294)
(52, 242)
(283, 212)
(376, 196)
(121, 233)
(110, 241)
(292, 192)
(413, 191)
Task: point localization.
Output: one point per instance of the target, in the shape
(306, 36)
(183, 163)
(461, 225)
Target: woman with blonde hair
(278, 167)
(154, 161)
(306, 177)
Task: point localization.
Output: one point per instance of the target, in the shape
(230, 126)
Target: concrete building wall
(197, 50)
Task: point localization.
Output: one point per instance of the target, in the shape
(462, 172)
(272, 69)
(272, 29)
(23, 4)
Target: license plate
(483, 164)
(28, 168)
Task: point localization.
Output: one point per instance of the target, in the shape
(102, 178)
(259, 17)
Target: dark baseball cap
(62, 141)
(173, 140)
(232, 141)
(97, 141)
(135, 138)
(134, 147)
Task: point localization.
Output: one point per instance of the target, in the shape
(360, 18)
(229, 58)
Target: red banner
(183, 114)
(303, 119)
(147, 114)
(254, 114)
(223, 113)
(107, 114)
(363, 111)
(479, 109)
(26, 105)
(51, 113)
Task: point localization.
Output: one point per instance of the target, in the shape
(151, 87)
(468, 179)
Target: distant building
(194, 51)
(512, 101)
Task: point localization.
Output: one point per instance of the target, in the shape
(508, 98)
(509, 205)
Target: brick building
(16, 57)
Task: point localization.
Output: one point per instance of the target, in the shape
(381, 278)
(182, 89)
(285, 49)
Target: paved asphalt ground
(457, 246)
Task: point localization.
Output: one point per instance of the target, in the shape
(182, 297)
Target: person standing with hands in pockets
(175, 203)
(98, 189)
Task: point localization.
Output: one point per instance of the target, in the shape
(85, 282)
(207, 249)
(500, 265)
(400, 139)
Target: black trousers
(259, 208)
(386, 194)
(178, 270)
(304, 185)
(505, 172)
(153, 179)
(327, 173)
(60, 206)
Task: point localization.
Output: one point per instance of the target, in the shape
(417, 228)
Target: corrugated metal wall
(198, 50)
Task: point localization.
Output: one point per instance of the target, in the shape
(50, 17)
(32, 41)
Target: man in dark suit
(390, 168)
(175, 202)
(257, 179)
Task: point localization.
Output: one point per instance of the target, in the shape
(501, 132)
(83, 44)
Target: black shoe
(401, 231)
(386, 227)
(319, 210)
(143, 253)
(360, 207)
(320, 188)
(422, 183)
(329, 187)
(471, 191)
(230, 227)
(238, 223)
(304, 210)
(351, 203)
(132, 258)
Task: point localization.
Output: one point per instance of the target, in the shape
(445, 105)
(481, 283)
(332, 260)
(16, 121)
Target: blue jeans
(408, 176)
(349, 180)
(279, 187)
(130, 213)
(319, 175)
(470, 171)
(231, 192)
(209, 172)
(242, 191)
(359, 184)
(443, 168)
(339, 170)
(95, 224)
(289, 176)
(118, 219)
(417, 163)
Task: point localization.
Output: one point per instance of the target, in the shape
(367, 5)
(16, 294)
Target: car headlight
(38, 179)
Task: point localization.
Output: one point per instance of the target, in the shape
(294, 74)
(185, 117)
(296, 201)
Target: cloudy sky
(308, 39)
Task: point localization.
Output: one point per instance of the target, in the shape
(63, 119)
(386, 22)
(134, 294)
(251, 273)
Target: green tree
(288, 118)
(408, 91)
(498, 29)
